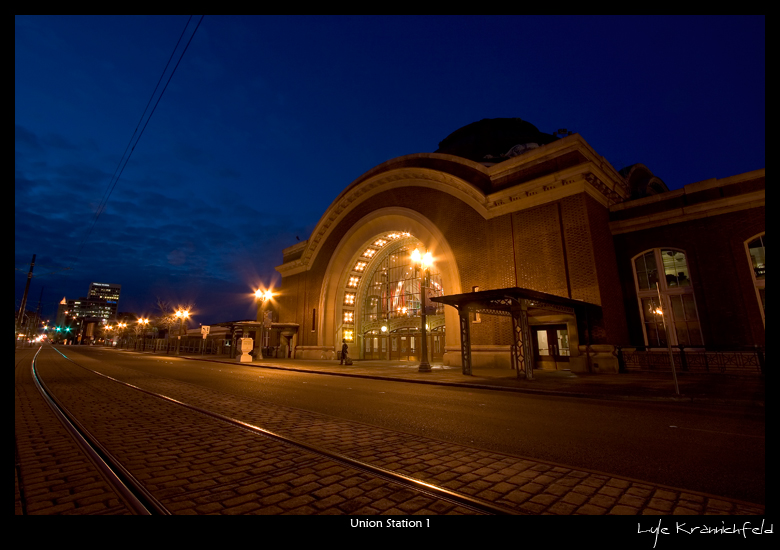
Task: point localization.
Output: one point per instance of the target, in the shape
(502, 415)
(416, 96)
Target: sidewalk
(702, 388)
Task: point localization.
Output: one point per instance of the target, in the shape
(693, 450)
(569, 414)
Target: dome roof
(493, 140)
(642, 182)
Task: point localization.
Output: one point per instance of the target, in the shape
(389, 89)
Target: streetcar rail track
(143, 502)
(128, 488)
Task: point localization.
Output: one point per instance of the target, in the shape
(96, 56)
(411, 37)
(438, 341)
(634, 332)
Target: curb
(555, 393)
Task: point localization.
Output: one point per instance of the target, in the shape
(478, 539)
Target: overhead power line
(133, 139)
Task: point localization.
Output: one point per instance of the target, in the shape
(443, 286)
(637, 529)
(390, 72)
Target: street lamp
(423, 262)
(181, 314)
(143, 322)
(263, 297)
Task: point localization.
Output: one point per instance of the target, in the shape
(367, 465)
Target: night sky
(267, 119)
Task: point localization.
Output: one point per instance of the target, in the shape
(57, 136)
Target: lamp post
(424, 263)
(143, 322)
(181, 314)
(121, 328)
(263, 297)
(667, 326)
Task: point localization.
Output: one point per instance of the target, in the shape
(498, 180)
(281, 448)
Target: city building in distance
(107, 292)
(85, 313)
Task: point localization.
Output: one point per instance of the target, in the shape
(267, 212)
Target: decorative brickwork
(539, 250)
(579, 250)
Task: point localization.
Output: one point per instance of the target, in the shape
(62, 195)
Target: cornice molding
(756, 199)
(595, 177)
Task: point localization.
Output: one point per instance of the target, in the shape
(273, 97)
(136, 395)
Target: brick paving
(56, 477)
(198, 465)
(241, 476)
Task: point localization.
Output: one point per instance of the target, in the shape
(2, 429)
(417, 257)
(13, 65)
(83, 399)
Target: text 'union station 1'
(541, 255)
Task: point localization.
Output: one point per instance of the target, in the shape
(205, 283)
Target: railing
(748, 360)
(210, 346)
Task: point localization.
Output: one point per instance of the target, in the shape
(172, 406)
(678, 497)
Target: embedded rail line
(141, 500)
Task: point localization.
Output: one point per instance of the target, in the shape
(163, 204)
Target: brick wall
(608, 279)
(538, 241)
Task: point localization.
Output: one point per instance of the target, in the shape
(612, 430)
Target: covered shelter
(519, 304)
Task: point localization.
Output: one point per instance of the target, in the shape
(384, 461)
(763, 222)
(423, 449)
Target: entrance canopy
(516, 303)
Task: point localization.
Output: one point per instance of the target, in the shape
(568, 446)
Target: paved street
(515, 480)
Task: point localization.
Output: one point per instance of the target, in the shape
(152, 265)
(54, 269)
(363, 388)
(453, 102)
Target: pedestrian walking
(344, 352)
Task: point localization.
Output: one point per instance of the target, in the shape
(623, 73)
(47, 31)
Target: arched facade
(349, 268)
(554, 219)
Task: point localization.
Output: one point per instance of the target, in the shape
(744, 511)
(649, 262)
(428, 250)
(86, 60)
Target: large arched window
(381, 293)
(756, 249)
(663, 284)
(393, 287)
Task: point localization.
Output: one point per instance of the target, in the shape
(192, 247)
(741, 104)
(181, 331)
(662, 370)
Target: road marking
(717, 432)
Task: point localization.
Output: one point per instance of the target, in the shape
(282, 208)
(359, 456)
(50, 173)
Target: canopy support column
(465, 340)
(522, 354)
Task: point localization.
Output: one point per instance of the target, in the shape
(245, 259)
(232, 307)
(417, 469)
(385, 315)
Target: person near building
(344, 352)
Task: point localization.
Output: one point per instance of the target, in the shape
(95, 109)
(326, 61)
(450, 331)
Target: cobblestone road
(195, 464)
(217, 473)
(58, 477)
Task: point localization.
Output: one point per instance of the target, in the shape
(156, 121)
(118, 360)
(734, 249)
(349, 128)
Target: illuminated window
(349, 299)
(349, 317)
(667, 297)
(353, 282)
(348, 335)
(369, 252)
(393, 290)
(756, 250)
(360, 266)
(380, 242)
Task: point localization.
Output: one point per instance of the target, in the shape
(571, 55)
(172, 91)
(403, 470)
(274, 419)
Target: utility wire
(126, 156)
(104, 198)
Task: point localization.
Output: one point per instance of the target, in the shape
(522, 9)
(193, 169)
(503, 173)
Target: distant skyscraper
(105, 291)
(100, 303)
(93, 309)
(108, 293)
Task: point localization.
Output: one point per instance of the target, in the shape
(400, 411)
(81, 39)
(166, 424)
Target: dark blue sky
(267, 119)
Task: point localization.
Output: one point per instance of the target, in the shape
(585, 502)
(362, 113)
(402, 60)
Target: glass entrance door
(374, 345)
(551, 346)
(404, 345)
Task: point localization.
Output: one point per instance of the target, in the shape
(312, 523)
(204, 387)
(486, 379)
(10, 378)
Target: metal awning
(516, 303)
(500, 301)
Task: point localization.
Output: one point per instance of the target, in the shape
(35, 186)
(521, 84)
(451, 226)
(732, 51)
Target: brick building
(543, 252)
